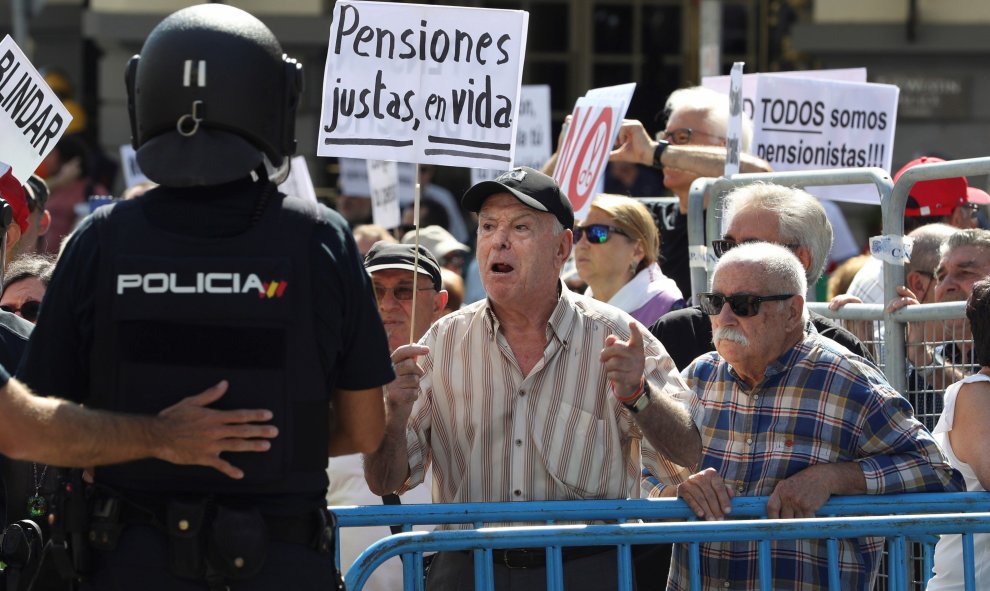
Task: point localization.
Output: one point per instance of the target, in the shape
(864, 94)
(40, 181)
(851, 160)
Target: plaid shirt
(817, 403)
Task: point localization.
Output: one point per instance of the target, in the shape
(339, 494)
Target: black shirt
(58, 358)
(687, 334)
(674, 261)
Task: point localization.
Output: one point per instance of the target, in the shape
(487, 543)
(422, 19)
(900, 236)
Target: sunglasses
(741, 304)
(28, 310)
(597, 233)
(720, 247)
(682, 135)
(403, 293)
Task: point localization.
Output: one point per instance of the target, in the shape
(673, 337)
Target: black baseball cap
(531, 187)
(387, 255)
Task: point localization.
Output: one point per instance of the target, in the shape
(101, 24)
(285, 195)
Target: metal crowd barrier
(852, 516)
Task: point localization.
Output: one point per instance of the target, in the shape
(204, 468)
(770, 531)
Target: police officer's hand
(402, 392)
(707, 494)
(190, 433)
(625, 362)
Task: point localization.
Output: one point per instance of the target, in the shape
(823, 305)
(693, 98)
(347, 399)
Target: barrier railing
(750, 509)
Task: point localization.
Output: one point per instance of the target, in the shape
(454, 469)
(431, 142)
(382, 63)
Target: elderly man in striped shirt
(795, 417)
(535, 393)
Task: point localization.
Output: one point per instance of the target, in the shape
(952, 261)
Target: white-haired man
(690, 147)
(793, 416)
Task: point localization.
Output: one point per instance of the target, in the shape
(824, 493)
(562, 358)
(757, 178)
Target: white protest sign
(419, 83)
(354, 179)
(32, 119)
(534, 143)
(584, 152)
(733, 138)
(299, 183)
(723, 83)
(132, 170)
(807, 124)
(383, 178)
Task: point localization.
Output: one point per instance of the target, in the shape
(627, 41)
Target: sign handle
(412, 315)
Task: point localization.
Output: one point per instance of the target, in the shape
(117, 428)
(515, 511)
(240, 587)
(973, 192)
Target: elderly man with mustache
(791, 415)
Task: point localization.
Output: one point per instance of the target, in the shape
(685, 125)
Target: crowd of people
(501, 351)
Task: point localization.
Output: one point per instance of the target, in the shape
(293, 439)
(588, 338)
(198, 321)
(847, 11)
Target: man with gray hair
(789, 415)
(761, 212)
(693, 145)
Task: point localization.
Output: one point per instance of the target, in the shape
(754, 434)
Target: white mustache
(724, 333)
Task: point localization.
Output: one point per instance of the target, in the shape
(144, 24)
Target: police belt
(304, 529)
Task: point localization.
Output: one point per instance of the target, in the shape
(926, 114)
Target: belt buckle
(507, 553)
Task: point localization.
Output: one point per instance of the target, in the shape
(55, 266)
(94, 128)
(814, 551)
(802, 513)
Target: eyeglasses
(682, 135)
(403, 293)
(28, 310)
(741, 304)
(597, 233)
(720, 247)
(971, 209)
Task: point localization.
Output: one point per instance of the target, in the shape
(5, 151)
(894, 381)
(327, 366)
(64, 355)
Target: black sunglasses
(720, 247)
(28, 310)
(741, 304)
(597, 233)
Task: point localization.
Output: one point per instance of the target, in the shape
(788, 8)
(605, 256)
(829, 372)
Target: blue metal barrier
(476, 515)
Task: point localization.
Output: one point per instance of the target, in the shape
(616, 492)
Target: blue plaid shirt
(818, 403)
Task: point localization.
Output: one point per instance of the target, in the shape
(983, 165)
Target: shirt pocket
(803, 451)
(577, 455)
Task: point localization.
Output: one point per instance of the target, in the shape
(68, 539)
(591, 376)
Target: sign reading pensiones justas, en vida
(418, 83)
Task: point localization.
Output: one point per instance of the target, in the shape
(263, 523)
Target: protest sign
(129, 164)
(383, 179)
(32, 119)
(722, 83)
(584, 152)
(808, 124)
(419, 83)
(733, 138)
(299, 183)
(534, 143)
(354, 179)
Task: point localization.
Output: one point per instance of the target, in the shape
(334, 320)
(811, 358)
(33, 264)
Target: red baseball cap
(939, 197)
(13, 193)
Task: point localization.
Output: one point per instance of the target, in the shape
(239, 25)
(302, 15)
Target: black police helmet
(209, 94)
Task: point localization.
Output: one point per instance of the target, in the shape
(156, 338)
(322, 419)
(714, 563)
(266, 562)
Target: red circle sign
(591, 155)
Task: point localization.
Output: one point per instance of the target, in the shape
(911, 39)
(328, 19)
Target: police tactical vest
(176, 314)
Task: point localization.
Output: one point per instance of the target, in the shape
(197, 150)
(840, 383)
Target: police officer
(216, 275)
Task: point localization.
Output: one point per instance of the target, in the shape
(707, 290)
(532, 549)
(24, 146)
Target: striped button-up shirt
(494, 434)
(818, 403)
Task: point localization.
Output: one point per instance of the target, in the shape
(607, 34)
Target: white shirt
(949, 551)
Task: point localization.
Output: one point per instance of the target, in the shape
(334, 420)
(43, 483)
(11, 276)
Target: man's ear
(915, 282)
(564, 245)
(439, 303)
(796, 310)
(803, 254)
(44, 222)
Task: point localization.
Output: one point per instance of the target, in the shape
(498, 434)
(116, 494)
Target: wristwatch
(641, 401)
(658, 152)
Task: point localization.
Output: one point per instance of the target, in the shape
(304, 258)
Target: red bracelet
(639, 392)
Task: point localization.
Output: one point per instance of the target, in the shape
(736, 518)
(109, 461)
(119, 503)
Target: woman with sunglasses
(24, 285)
(615, 251)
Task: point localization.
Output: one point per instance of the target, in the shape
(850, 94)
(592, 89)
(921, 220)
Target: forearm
(62, 433)
(387, 468)
(842, 478)
(669, 428)
(707, 161)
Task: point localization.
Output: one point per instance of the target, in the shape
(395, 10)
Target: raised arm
(664, 421)
(387, 468)
(62, 433)
(634, 144)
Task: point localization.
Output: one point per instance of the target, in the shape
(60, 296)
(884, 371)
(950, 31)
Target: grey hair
(715, 105)
(782, 271)
(960, 238)
(928, 240)
(800, 216)
(27, 265)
